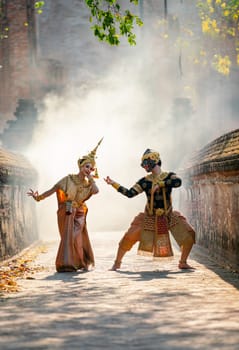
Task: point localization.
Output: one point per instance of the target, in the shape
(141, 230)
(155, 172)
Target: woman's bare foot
(115, 266)
(183, 265)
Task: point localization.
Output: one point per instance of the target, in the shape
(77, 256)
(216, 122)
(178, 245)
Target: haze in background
(123, 94)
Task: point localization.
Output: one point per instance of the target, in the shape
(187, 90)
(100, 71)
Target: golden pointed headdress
(90, 158)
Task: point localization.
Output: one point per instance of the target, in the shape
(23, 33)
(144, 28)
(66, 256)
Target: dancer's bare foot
(183, 265)
(115, 266)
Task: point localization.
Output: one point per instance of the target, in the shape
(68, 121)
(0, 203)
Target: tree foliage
(110, 23)
(220, 24)
(38, 6)
(216, 43)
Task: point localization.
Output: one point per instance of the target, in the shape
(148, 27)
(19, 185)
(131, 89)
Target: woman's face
(86, 169)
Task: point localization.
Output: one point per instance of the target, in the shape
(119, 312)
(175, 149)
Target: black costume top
(146, 184)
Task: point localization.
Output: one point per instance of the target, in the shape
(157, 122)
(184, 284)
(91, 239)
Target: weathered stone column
(18, 135)
(18, 224)
(211, 199)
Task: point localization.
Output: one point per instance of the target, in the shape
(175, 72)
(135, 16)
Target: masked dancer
(151, 227)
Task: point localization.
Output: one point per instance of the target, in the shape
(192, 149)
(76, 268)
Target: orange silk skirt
(75, 251)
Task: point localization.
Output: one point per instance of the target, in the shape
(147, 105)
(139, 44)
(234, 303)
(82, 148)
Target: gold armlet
(39, 198)
(115, 185)
(91, 182)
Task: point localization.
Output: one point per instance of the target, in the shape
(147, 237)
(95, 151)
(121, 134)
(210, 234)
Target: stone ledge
(220, 155)
(15, 168)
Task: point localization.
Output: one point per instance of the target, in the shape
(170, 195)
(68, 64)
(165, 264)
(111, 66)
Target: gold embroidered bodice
(75, 189)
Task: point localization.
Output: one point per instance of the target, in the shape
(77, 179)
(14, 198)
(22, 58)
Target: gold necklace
(78, 181)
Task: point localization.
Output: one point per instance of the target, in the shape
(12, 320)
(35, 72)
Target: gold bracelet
(39, 198)
(115, 185)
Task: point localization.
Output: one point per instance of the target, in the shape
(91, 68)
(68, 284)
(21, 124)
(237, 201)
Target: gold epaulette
(159, 177)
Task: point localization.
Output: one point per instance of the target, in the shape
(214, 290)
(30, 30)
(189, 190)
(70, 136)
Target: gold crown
(90, 158)
(151, 154)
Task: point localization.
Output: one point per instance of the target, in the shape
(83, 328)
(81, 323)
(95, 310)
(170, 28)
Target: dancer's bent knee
(126, 244)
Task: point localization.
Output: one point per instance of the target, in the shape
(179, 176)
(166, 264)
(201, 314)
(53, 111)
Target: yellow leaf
(226, 13)
(205, 26)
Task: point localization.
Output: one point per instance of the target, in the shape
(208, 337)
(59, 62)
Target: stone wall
(211, 197)
(18, 227)
(17, 54)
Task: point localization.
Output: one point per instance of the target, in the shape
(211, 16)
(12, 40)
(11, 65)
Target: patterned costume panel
(154, 237)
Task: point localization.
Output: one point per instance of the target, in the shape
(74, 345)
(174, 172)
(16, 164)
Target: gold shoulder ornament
(155, 179)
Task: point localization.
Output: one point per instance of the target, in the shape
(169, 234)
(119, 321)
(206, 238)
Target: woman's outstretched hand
(33, 194)
(108, 180)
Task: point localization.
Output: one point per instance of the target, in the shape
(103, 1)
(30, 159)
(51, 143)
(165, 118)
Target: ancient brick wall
(17, 53)
(18, 227)
(211, 199)
(23, 75)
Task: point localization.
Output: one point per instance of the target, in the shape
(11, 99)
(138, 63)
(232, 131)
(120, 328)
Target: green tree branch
(110, 23)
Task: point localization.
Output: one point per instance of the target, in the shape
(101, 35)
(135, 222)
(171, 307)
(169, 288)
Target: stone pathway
(147, 305)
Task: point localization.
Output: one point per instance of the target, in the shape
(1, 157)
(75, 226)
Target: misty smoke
(126, 95)
(120, 110)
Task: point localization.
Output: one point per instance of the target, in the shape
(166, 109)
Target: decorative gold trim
(151, 155)
(115, 185)
(91, 181)
(159, 212)
(137, 188)
(156, 178)
(39, 198)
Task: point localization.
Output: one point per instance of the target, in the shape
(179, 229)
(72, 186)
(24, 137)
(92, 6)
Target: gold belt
(161, 212)
(76, 204)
